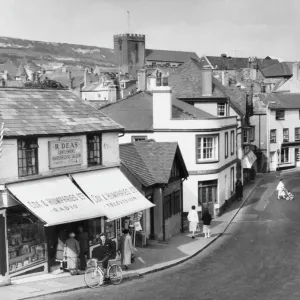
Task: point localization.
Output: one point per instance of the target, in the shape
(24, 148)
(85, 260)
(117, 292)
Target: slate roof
(224, 63)
(49, 112)
(135, 112)
(283, 69)
(186, 83)
(151, 162)
(169, 55)
(283, 100)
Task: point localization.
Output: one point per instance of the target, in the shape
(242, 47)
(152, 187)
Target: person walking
(126, 249)
(83, 238)
(238, 190)
(193, 219)
(71, 252)
(206, 218)
(281, 189)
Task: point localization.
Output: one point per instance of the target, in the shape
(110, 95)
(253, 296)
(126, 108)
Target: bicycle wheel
(115, 274)
(93, 277)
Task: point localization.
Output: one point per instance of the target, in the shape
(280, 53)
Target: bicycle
(94, 274)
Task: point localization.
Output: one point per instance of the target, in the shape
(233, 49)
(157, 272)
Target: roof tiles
(36, 112)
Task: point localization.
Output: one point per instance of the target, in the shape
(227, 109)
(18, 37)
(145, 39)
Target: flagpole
(128, 19)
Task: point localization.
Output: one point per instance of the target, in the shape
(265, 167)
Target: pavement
(154, 257)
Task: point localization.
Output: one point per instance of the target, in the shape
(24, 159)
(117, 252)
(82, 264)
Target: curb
(141, 275)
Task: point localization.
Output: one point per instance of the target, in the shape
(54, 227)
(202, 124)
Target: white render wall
(9, 157)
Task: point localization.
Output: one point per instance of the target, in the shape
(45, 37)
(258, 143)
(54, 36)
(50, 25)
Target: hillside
(46, 54)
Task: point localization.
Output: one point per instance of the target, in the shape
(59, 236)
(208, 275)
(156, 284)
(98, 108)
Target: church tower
(129, 51)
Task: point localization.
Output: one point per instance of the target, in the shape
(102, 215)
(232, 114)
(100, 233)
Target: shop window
(221, 109)
(26, 240)
(95, 229)
(226, 144)
(297, 134)
(207, 192)
(232, 141)
(27, 157)
(285, 134)
(138, 138)
(279, 114)
(285, 155)
(273, 136)
(206, 148)
(110, 229)
(94, 150)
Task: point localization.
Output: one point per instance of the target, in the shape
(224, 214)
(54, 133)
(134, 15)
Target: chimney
(225, 78)
(162, 106)
(142, 80)
(3, 82)
(207, 81)
(296, 70)
(85, 76)
(70, 79)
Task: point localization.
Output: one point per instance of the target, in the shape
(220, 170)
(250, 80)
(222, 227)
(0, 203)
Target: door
(273, 161)
(297, 157)
(226, 188)
(3, 264)
(152, 231)
(208, 195)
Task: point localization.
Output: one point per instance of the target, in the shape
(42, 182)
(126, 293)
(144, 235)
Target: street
(256, 258)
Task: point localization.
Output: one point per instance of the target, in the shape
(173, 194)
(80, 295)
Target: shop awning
(249, 160)
(55, 200)
(112, 191)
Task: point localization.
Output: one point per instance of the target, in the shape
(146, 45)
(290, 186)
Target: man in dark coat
(238, 190)
(106, 250)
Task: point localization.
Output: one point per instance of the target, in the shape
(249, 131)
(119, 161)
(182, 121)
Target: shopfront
(53, 207)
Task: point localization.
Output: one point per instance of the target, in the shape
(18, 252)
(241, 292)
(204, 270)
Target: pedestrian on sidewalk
(238, 190)
(71, 252)
(193, 218)
(206, 218)
(281, 189)
(126, 249)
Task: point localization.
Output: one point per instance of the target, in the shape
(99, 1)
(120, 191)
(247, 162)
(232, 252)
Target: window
(232, 180)
(297, 134)
(279, 114)
(94, 150)
(172, 204)
(246, 136)
(175, 170)
(252, 133)
(221, 109)
(27, 157)
(273, 136)
(284, 155)
(165, 81)
(226, 144)
(138, 138)
(232, 140)
(285, 134)
(110, 229)
(206, 148)
(207, 192)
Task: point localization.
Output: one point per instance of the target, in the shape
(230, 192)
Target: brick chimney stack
(206, 81)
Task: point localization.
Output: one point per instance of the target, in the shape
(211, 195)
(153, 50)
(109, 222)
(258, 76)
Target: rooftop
(283, 69)
(283, 100)
(49, 112)
(151, 162)
(135, 112)
(169, 56)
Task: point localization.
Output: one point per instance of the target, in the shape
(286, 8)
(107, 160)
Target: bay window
(207, 148)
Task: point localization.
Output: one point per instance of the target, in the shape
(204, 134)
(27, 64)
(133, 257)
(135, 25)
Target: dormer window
(27, 157)
(94, 156)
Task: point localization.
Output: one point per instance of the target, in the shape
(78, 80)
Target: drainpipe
(181, 203)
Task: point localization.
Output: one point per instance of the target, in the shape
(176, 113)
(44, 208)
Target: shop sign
(65, 153)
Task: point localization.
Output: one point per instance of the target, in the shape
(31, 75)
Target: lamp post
(268, 135)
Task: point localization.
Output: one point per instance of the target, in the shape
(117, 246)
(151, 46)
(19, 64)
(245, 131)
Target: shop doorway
(297, 157)
(60, 231)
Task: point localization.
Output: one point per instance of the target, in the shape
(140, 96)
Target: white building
(277, 119)
(207, 143)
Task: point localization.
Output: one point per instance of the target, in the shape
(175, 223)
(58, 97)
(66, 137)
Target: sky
(208, 27)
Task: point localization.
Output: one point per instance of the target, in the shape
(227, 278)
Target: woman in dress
(71, 251)
(125, 248)
(193, 218)
(281, 189)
